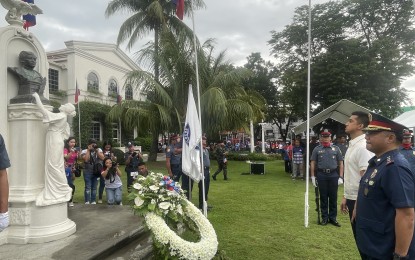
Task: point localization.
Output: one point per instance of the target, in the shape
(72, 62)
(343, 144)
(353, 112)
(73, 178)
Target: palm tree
(225, 103)
(150, 15)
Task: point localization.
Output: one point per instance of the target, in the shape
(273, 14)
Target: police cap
(380, 123)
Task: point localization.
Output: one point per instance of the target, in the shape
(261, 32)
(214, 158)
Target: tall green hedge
(91, 111)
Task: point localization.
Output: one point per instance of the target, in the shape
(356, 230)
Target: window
(128, 92)
(96, 130)
(112, 88)
(93, 82)
(53, 80)
(114, 132)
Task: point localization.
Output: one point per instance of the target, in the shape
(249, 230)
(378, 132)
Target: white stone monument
(25, 136)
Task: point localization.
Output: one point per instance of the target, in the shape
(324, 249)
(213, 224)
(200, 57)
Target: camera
(95, 146)
(114, 164)
(134, 154)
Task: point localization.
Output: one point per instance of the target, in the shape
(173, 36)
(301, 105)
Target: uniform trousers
(328, 186)
(187, 185)
(222, 166)
(176, 170)
(206, 176)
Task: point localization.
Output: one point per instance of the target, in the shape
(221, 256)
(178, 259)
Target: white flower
(164, 205)
(138, 201)
(137, 186)
(204, 249)
(154, 188)
(153, 201)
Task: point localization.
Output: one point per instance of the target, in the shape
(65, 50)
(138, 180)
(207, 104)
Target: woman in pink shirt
(70, 155)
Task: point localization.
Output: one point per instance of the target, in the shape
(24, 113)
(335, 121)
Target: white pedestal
(29, 223)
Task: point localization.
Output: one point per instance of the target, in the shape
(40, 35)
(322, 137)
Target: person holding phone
(108, 153)
(132, 158)
(113, 185)
(71, 155)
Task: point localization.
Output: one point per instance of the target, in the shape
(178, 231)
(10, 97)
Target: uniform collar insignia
(389, 160)
(373, 175)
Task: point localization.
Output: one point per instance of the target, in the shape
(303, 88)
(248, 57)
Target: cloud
(239, 26)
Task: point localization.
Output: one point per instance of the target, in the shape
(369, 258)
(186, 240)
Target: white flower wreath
(157, 197)
(204, 249)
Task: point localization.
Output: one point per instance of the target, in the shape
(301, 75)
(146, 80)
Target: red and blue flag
(29, 19)
(179, 8)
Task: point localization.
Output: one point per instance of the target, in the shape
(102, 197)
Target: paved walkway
(100, 229)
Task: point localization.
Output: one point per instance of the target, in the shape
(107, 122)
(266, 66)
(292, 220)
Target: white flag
(191, 140)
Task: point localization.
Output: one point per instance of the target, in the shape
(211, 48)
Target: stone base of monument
(47, 224)
(28, 222)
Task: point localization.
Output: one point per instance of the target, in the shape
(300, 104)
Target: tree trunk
(154, 147)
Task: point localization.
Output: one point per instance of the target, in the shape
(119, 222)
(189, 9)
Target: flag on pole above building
(77, 93)
(29, 19)
(179, 8)
(191, 140)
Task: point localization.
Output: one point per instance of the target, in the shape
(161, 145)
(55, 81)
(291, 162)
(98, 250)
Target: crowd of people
(376, 165)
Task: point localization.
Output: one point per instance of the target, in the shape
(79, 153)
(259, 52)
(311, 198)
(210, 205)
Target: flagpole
(202, 179)
(306, 205)
(119, 123)
(77, 92)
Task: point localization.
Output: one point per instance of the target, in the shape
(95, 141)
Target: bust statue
(30, 81)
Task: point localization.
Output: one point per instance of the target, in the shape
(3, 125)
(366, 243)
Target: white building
(98, 69)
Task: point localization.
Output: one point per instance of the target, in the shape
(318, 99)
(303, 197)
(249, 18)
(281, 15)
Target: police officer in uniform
(384, 210)
(407, 150)
(222, 161)
(327, 166)
(174, 158)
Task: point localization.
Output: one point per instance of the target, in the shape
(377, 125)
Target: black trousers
(185, 185)
(328, 186)
(288, 168)
(176, 170)
(206, 180)
(350, 205)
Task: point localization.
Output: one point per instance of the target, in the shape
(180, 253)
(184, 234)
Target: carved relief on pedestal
(24, 115)
(19, 216)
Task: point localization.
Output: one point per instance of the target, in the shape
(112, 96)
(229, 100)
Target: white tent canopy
(340, 111)
(407, 119)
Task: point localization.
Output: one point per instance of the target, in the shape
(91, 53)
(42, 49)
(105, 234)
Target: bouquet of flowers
(158, 194)
(159, 199)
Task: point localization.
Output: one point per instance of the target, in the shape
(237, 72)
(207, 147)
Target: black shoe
(214, 177)
(335, 223)
(324, 222)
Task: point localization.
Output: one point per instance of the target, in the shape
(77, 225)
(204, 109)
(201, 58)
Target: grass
(262, 216)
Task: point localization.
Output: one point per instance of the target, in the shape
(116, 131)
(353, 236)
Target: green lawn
(262, 216)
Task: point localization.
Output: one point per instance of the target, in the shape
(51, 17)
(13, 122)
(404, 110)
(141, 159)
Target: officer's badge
(378, 160)
(374, 174)
(389, 160)
(366, 191)
(366, 181)
(371, 183)
(334, 149)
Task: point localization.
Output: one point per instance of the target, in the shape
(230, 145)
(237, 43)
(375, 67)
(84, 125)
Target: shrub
(235, 156)
(144, 142)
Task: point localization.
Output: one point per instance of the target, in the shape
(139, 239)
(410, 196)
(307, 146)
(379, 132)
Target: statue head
(68, 109)
(27, 59)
